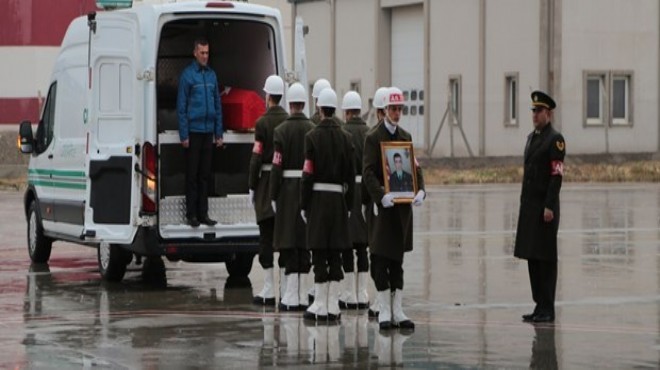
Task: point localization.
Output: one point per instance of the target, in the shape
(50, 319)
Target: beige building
(468, 66)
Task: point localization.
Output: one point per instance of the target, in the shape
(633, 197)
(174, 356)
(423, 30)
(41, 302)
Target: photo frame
(399, 170)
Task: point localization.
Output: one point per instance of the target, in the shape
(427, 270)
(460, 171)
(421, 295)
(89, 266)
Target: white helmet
(327, 98)
(319, 85)
(351, 100)
(379, 98)
(394, 96)
(296, 93)
(274, 85)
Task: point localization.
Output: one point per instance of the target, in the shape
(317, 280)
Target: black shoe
(385, 325)
(543, 318)
(261, 301)
(314, 317)
(372, 314)
(193, 221)
(207, 221)
(342, 305)
(528, 317)
(362, 306)
(406, 325)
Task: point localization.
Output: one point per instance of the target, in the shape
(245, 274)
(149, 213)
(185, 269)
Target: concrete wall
(454, 52)
(610, 35)
(317, 15)
(512, 38)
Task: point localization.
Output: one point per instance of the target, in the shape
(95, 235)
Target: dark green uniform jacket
(262, 154)
(328, 160)
(391, 231)
(357, 225)
(544, 168)
(316, 119)
(289, 155)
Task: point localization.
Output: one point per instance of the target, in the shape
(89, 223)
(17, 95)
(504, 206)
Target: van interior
(243, 54)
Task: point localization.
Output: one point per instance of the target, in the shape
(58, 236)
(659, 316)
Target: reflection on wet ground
(463, 289)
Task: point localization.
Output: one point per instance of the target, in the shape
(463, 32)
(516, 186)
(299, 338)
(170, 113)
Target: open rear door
(115, 122)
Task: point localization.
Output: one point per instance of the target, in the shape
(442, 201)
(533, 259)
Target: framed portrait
(399, 171)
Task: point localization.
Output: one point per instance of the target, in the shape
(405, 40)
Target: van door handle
(50, 156)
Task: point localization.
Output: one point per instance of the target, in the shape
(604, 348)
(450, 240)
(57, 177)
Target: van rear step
(230, 210)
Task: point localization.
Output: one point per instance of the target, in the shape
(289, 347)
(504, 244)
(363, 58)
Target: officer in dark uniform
(258, 182)
(391, 227)
(326, 200)
(538, 221)
(400, 180)
(355, 296)
(289, 236)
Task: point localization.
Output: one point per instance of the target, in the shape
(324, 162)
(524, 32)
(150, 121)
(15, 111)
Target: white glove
(303, 214)
(251, 192)
(364, 211)
(349, 214)
(419, 198)
(375, 209)
(274, 205)
(387, 200)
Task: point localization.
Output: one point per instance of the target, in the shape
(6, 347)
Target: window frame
(602, 77)
(456, 99)
(511, 114)
(627, 76)
(46, 130)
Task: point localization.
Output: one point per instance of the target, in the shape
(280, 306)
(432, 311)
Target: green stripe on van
(56, 184)
(39, 171)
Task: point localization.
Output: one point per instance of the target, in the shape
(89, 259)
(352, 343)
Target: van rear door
(115, 124)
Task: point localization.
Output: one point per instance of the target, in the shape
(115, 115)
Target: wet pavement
(464, 290)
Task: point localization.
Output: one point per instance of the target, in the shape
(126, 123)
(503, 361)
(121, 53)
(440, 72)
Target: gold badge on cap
(560, 146)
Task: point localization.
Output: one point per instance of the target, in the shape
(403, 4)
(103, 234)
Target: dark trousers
(387, 273)
(266, 229)
(543, 279)
(327, 265)
(199, 157)
(296, 260)
(360, 251)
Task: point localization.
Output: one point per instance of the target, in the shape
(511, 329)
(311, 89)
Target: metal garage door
(408, 66)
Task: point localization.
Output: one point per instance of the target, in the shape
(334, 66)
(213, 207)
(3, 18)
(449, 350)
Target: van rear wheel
(240, 264)
(112, 261)
(39, 245)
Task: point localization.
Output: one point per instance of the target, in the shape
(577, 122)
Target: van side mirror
(25, 137)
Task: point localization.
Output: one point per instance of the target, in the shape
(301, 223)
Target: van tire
(112, 261)
(39, 245)
(153, 271)
(240, 264)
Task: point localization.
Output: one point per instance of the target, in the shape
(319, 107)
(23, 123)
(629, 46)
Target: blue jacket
(198, 102)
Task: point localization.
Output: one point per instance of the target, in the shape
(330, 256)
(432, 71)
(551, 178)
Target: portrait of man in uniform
(398, 164)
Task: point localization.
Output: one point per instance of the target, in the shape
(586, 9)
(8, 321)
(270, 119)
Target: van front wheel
(39, 245)
(112, 261)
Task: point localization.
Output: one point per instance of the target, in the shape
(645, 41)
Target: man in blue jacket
(200, 126)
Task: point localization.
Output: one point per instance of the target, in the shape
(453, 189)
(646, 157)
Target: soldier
(379, 104)
(326, 197)
(391, 226)
(289, 236)
(319, 86)
(259, 179)
(352, 298)
(538, 221)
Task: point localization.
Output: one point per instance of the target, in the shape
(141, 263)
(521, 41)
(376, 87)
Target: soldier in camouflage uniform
(326, 200)
(289, 236)
(391, 227)
(258, 182)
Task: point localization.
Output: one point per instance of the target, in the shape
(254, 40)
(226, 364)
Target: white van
(107, 167)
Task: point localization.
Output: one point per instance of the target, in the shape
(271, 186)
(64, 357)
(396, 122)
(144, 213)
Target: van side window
(47, 122)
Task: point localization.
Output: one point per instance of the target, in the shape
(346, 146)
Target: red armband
(277, 158)
(258, 147)
(308, 167)
(557, 168)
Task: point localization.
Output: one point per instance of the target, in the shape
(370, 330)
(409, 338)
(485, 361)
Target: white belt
(358, 179)
(323, 186)
(266, 167)
(293, 174)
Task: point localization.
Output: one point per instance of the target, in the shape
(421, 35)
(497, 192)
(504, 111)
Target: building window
(455, 99)
(621, 99)
(511, 99)
(595, 92)
(607, 98)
